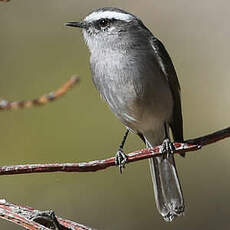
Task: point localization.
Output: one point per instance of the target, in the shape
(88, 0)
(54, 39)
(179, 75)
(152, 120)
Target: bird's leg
(120, 158)
(167, 145)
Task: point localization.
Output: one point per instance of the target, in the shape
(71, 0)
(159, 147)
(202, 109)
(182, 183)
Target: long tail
(167, 189)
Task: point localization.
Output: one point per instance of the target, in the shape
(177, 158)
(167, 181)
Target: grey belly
(138, 95)
(139, 107)
(122, 99)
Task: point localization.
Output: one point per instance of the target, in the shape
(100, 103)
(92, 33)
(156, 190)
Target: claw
(167, 147)
(121, 159)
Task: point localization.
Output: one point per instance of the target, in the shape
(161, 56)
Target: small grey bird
(135, 75)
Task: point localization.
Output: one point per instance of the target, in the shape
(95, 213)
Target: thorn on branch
(47, 219)
(32, 219)
(6, 105)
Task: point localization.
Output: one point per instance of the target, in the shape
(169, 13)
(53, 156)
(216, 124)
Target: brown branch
(187, 146)
(5, 105)
(32, 219)
(211, 138)
(4, 0)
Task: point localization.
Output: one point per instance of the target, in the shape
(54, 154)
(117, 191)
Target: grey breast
(132, 84)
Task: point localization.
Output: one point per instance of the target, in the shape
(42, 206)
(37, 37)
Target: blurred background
(38, 54)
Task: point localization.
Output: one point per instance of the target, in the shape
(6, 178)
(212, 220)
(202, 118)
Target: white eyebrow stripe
(108, 14)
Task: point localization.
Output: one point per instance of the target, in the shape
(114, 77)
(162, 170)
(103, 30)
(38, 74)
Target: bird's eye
(103, 22)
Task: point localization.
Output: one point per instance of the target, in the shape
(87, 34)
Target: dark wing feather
(167, 68)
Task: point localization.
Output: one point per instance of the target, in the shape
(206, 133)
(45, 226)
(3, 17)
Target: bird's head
(109, 27)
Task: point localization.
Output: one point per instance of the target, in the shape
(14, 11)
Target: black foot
(167, 148)
(47, 219)
(121, 159)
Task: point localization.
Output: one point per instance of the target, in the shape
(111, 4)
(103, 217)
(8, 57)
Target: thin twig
(187, 146)
(27, 218)
(6, 105)
(89, 166)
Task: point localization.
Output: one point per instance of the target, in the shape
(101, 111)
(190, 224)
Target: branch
(32, 219)
(188, 146)
(5, 105)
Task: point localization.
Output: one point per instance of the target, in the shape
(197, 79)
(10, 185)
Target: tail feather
(167, 189)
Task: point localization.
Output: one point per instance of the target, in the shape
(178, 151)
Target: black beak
(75, 24)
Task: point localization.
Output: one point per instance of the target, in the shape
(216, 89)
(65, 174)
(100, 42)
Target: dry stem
(6, 105)
(187, 146)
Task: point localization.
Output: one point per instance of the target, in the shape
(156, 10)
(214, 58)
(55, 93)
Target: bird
(135, 75)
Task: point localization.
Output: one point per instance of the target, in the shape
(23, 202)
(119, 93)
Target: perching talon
(121, 159)
(167, 148)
